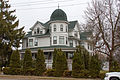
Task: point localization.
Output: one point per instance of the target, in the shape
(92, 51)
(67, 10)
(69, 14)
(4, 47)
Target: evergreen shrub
(27, 62)
(40, 67)
(12, 71)
(60, 63)
(102, 74)
(50, 72)
(67, 73)
(29, 71)
(15, 59)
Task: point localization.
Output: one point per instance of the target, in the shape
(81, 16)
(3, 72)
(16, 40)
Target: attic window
(35, 31)
(38, 30)
(41, 32)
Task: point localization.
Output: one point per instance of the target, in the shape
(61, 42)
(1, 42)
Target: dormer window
(41, 32)
(61, 27)
(54, 28)
(38, 30)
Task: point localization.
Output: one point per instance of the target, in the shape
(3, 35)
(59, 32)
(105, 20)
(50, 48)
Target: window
(50, 29)
(71, 43)
(76, 34)
(54, 28)
(88, 46)
(70, 55)
(30, 42)
(34, 31)
(37, 30)
(91, 47)
(55, 40)
(61, 27)
(36, 42)
(76, 43)
(41, 32)
(66, 40)
(61, 40)
(66, 29)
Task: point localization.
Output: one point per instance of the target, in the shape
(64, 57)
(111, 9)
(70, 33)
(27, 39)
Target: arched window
(54, 27)
(38, 30)
(66, 28)
(61, 27)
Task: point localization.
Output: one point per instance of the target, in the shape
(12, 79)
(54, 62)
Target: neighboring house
(58, 32)
(86, 41)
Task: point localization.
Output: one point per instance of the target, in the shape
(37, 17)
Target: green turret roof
(58, 14)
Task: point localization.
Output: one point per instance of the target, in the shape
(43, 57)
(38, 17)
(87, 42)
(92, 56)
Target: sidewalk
(18, 77)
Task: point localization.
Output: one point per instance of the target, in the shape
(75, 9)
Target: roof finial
(58, 6)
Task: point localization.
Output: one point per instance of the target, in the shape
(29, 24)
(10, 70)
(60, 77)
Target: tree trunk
(110, 62)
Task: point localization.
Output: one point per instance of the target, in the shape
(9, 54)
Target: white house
(58, 32)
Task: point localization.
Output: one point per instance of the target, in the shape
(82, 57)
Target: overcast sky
(30, 11)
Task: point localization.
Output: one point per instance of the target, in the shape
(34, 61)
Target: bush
(27, 61)
(60, 63)
(67, 73)
(85, 74)
(29, 71)
(102, 74)
(15, 59)
(40, 67)
(12, 71)
(77, 65)
(81, 74)
(6, 70)
(95, 66)
(50, 72)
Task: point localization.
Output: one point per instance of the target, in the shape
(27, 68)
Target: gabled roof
(85, 35)
(72, 24)
(38, 22)
(40, 35)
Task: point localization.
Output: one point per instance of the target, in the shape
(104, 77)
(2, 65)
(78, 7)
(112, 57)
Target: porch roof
(51, 48)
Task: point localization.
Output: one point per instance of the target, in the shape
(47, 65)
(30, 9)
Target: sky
(30, 11)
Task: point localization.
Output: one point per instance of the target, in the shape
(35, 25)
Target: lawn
(16, 77)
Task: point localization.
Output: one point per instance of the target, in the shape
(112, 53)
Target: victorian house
(57, 33)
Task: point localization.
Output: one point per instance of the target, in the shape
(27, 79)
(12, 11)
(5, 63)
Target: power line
(52, 6)
(31, 2)
(37, 3)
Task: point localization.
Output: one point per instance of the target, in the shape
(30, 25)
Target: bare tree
(103, 17)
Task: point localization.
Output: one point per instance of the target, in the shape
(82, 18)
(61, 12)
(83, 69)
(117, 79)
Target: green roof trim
(53, 47)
